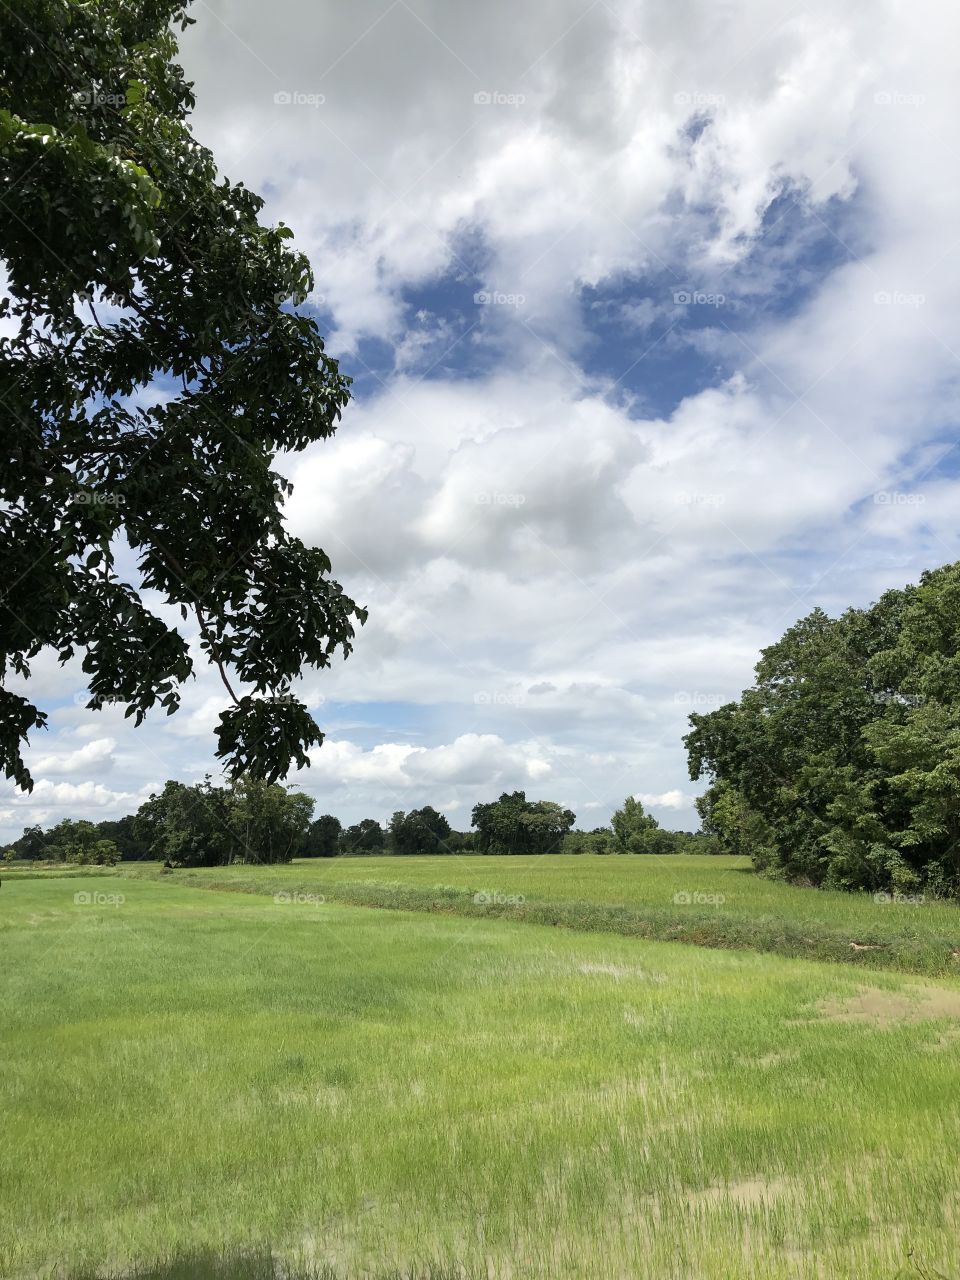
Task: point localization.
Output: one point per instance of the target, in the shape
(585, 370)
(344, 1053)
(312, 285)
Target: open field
(185, 1070)
(713, 901)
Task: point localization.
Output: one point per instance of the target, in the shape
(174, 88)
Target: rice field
(345, 1092)
(713, 901)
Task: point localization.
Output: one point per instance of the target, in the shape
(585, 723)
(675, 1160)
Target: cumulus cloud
(470, 760)
(96, 756)
(666, 800)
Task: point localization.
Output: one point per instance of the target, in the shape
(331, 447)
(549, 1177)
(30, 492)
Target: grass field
(360, 1089)
(713, 901)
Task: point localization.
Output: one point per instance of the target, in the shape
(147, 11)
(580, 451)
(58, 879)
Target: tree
(419, 831)
(188, 826)
(514, 824)
(83, 845)
(32, 845)
(841, 764)
(323, 838)
(123, 833)
(266, 821)
(636, 831)
(208, 826)
(128, 261)
(363, 837)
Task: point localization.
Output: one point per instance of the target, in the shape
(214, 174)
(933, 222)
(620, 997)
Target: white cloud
(96, 755)
(666, 800)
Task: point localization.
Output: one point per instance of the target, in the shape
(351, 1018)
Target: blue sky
(651, 311)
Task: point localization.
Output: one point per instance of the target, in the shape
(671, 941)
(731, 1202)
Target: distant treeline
(840, 766)
(250, 821)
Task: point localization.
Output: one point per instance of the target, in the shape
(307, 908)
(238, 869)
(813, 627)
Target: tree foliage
(323, 838)
(365, 836)
(841, 764)
(207, 826)
(419, 831)
(636, 831)
(131, 264)
(514, 824)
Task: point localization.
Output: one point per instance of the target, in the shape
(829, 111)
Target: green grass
(187, 1075)
(636, 896)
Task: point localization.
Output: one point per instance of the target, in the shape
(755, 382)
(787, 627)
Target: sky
(652, 312)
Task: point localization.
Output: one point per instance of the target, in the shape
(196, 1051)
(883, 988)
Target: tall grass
(189, 1075)
(710, 901)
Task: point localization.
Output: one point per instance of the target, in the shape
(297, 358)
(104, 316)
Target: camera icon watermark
(495, 98)
(296, 98)
(94, 97)
(701, 499)
(897, 298)
(897, 98)
(488, 698)
(95, 899)
(698, 298)
(495, 298)
(494, 498)
(694, 698)
(897, 498)
(699, 100)
(88, 498)
(686, 898)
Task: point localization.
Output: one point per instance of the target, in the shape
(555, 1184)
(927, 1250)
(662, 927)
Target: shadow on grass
(262, 1264)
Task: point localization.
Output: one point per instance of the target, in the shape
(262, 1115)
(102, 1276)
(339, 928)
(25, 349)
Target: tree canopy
(206, 826)
(514, 824)
(419, 831)
(132, 266)
(841, 764)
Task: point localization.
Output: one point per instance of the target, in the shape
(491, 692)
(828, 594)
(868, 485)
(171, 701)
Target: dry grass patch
(882, 1008)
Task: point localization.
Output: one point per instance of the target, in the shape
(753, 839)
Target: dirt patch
(747, 1194)
(891, 1008)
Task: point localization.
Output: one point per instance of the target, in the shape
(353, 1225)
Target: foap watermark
(494, 498)
(698, 298)
(700, 499)
(497, 98)
(297, 98)
(696, 98)
(694, 698)
(88, 498)
(292, 700)
(496, 298)
(494, 898)
(898, 498)
(488, 698)
(97, 701)
(892, 698)
(294, 898)
(313, 299)
(96, 899)
(94, 97)
(696, 898)
(899, 899)
(897, 298)
(897, 98)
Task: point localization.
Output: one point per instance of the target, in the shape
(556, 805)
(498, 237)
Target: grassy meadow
(712, 901)
(365, 1093)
